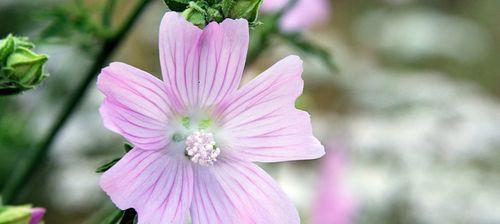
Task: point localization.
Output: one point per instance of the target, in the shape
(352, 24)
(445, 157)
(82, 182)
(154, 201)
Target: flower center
(201, 148)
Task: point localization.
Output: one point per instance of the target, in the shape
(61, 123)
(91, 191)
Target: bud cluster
(20, 68)
(202, 12)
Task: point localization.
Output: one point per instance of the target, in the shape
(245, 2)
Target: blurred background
(411, 115)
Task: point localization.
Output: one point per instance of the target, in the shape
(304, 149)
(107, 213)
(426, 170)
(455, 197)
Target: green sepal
(7, 46)
(25, 67)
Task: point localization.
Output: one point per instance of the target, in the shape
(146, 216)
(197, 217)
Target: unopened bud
(20, 68)
(21, 215)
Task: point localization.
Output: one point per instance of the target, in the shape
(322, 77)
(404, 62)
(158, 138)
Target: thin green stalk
(28, 166)
(107, 13)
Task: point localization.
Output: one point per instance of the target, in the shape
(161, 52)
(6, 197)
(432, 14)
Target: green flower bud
(20, 68)
(15, 214)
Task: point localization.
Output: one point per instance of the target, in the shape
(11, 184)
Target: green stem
(107, 13)
(28, 166)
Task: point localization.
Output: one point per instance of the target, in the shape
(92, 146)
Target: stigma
(201, 148)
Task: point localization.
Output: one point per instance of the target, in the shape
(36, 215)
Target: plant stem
(28, 166)
(267, 32)
(107, 13)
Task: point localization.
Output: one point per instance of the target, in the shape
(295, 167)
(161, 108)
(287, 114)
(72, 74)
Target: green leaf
(75, 23)
(296, 40)
(214, 15)
(247, 9)
(103, 168)
(226, 6)
(127, 146)
(196, 13)
(177, 5)
(113, 218)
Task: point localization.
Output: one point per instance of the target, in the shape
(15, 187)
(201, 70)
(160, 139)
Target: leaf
(297, 41)
(247, 9)
(113, 218)
(226, 6)
(177, 5)
(127, 146)
(103, 168)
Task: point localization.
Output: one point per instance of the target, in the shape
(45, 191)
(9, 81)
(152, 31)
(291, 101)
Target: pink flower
(37, 215)
(304, 14)
(196, 133)
(333, 203)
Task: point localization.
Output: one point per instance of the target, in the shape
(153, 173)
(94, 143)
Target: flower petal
(261, 122)
(273, 5)
(37, 215)
(333, 202)
(201, 67)
(299, 17)
(156, 185)
(304, 14)
(135, 106)
(238, 192)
